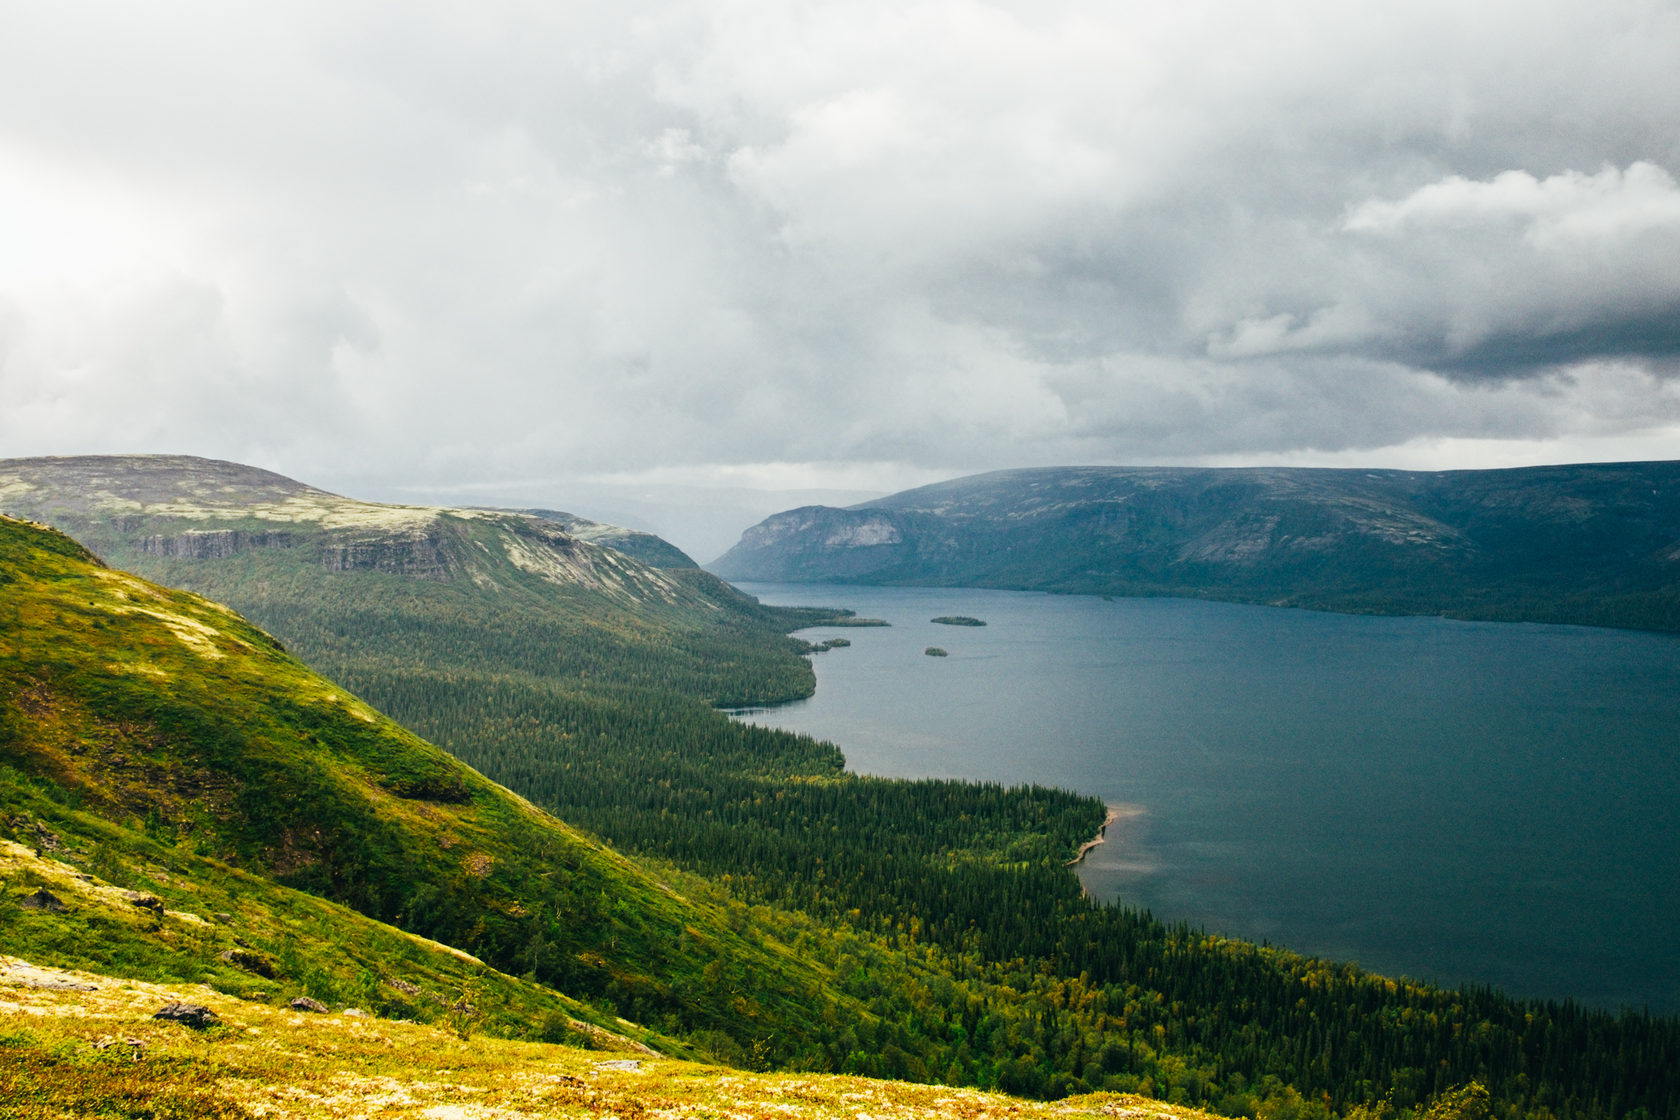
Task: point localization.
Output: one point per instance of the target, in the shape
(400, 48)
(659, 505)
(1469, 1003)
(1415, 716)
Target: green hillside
(1596, 544)
(160, 743)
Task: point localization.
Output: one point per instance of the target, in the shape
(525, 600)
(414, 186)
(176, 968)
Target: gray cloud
(450, 246)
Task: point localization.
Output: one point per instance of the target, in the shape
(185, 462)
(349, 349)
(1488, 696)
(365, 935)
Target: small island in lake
(935, 651)
(958, 620)
(831, 643)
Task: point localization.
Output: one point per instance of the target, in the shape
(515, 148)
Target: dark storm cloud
(1653, 340)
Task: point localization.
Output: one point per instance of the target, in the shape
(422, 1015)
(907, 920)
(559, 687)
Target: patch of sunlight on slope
(598, 571)
(195, 635)
(77, 888)
(325, 510)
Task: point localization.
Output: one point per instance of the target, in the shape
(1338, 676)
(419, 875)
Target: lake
(1452, 801)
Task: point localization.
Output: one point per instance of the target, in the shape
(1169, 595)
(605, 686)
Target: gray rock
(44, 841)
(60, 986)
(403, 986)
(304, 1003)
(194, 1015)
(43, 899)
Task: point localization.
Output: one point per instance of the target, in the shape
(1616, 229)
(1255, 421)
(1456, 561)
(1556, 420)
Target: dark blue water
(1451, 801)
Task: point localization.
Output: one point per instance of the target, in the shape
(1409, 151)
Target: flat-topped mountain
(1593, 543)
(185, 483)
(181, 507)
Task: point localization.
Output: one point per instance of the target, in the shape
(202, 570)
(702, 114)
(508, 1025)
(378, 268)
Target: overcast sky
(539, 252)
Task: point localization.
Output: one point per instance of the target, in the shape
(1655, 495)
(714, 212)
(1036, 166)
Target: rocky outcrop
(423, 555)
(194, 1015)
(210, 544)
(649, 549)
(254, 963)
(43, 899)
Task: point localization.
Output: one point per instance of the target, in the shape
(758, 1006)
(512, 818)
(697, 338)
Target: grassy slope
(245, 937)
(172, 745)
(261, 1061)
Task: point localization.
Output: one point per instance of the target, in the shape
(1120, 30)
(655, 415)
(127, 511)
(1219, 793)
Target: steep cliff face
(820, 542)
(826, 528)
(1594, 543)
(209, 544)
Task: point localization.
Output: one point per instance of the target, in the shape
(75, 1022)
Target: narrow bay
(1459, 802)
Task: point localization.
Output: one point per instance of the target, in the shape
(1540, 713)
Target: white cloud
(1559, 213)
(1506, 276)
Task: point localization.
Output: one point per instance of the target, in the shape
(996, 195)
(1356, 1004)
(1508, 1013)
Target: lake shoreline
(1257, 743)
(1115, 812)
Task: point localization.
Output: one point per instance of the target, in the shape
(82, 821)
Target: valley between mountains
(463, 769)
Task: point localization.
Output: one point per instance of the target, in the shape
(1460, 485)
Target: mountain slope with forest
(325, 572)
(1596, 544)
(162, 745)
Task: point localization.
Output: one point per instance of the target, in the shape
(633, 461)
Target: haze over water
(1453, 801)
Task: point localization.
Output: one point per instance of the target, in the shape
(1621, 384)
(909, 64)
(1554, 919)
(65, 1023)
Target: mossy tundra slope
(91, 1048)
(157, 743)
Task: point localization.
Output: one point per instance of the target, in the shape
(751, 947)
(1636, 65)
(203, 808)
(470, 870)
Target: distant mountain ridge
(556, 594)
(1592, 543)
(184, 507)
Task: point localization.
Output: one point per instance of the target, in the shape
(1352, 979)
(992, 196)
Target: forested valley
(947, 905)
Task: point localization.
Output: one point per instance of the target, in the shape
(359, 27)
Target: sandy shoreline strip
(1115, 812)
